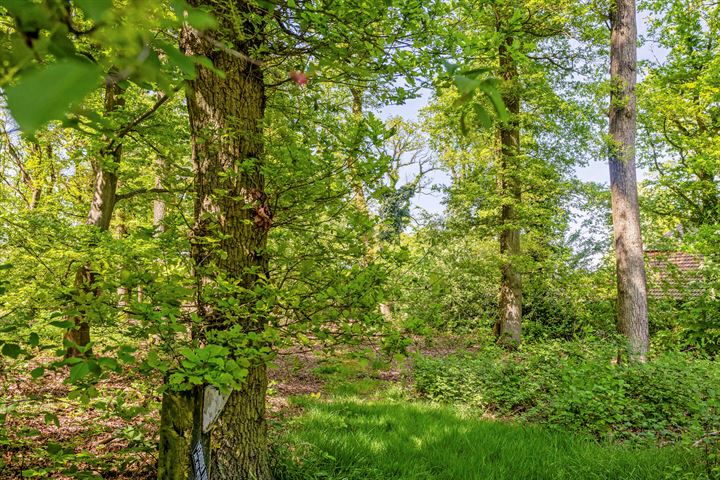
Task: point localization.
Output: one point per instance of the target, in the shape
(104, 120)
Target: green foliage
(454, 286)
(46, 94)
(679, 124)
(577, 386)
(57, 53)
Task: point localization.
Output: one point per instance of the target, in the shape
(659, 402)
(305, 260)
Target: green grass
(348, 439)
(343, 377)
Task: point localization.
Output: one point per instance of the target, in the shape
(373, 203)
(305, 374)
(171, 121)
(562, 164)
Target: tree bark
(99, 216)
(631, 283)
(105, 186)
(226, 116)
(34, 183)
(368, 239)
(159, 203)
(356, 182)
(509, 325)
(177, 418)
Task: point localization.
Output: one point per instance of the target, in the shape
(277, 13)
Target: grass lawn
(350, 439)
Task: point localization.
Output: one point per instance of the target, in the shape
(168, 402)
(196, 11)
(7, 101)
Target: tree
(105, 181)
(239, 191)
(679, 128)
(679, 118)
(525, 45)
(229, 235)
(509, 325)
(631, 283)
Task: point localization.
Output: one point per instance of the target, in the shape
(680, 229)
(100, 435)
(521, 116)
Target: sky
(595, 171)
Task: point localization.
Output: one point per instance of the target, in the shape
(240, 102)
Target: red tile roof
(674, 274)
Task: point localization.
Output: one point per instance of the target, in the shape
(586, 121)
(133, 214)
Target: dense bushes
(577, 386)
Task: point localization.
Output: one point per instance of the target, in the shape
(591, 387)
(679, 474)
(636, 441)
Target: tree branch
(141, 191)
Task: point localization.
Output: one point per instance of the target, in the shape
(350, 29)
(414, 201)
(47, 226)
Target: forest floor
(48, 433)
(332, 417)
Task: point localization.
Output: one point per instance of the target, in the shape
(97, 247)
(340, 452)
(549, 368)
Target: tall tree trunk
(368, 238)
(226, 116)
(159, 203)
(99, 216)
(35, 183)
(631, 283)
(356, 182)
(509, 325)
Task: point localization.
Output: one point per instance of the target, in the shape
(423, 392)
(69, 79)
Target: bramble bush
(578, 386)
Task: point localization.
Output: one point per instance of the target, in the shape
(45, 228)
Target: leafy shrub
(577, 386)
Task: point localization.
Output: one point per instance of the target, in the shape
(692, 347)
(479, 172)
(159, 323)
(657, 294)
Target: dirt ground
(115, 434)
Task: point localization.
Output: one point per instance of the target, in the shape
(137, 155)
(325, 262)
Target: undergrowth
(578, 387)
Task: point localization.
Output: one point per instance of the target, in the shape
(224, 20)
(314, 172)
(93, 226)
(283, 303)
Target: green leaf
(48, 93)
(199, 19)
(176, 379)
(126, 357)
(11, 350)
(31, 16)
(269, 6)
(37, 372)
(190, 354)
(449, 67)
(183, 62)
(64, 324)
(60, 45)
(476, 71)
(79, 371)
(34, 339)
(53, 448)
(482, 115)
(463, 124)
(95, 9)
(94, 367)
(52, 418)
(490, 89)
(462, 100)
(465, 84)
(108, 363)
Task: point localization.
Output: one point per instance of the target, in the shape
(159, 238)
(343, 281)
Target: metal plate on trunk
(213, 403)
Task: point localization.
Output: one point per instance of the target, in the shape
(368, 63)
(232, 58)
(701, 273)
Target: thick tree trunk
(99, 216)
(103, 203)
(240, 437)
(226, 116)
(631, 282)
(177, 417)
(356, 183)
(80, 334)
(105, 186)
(509, 325)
